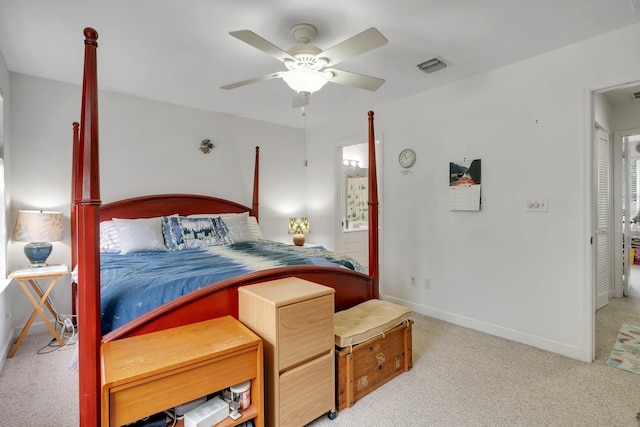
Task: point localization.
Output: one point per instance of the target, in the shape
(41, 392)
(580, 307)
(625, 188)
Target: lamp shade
(39, 228)
(299, 227)
(305, 81)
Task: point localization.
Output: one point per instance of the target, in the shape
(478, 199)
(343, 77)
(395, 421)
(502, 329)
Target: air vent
(635, 96)
(432, 65)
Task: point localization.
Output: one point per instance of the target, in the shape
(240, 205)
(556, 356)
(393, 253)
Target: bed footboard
(221, 299)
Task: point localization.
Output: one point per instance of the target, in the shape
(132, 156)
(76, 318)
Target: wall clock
(407, 158)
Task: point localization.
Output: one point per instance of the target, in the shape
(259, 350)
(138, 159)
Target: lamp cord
(303, 111)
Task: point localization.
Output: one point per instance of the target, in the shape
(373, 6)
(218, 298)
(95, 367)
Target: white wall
(626, 116)
(6, 325)
(146, 147)
(523, 276)
(603, 112)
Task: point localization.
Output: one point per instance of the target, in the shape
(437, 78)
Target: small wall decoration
(206, 146)
(464, 185)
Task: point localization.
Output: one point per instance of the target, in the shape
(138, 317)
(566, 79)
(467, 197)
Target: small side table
(30, 275)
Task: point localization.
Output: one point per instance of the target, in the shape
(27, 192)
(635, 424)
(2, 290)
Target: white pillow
(254, 227)
(109, 239)
(140, 235)
(216, 215)
(237, 224)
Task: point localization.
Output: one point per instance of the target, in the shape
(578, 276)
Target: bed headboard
(169, 204)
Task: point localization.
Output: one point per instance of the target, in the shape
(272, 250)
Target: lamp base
(37, 253)
(298, 239)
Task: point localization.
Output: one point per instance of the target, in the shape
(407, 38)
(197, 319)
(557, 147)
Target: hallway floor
(617, 312)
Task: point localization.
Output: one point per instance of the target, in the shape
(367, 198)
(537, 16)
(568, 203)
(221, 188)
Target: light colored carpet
(460, 377)
(37, 388)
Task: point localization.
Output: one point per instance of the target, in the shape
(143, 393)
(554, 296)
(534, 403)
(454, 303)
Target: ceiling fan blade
(300, 100)
(253, 80)
(361, 81)
(360, 43)
(258, 42)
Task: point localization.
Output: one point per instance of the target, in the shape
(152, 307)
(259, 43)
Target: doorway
(617, 111)
(630, 183)
(353, 209)
(352, 234)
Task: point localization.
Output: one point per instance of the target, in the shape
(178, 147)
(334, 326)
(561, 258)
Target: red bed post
(86, 185)
(373, 209)
(73, 217)
(256, 198)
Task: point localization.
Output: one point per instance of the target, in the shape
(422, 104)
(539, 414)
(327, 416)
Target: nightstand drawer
(303, 404)
(294, 317)
(305, 330)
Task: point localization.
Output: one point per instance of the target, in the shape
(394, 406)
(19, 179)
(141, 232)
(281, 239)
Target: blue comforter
(133, 284)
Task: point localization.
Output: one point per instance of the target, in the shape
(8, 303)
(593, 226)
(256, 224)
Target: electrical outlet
(413, 281)
(68, 325)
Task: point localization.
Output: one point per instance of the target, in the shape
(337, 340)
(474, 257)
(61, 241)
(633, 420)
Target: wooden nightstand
(30, 275)
(149, 373)
(294, 318)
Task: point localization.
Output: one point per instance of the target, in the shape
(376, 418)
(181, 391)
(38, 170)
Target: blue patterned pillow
(197, 233)
(188, 233)
(172, 233)
(222, 231)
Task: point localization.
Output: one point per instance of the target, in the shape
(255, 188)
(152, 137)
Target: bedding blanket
(135, 283)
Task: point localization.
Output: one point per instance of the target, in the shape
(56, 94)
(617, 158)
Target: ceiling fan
(309, 68)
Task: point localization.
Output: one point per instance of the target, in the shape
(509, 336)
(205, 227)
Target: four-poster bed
(208, 302)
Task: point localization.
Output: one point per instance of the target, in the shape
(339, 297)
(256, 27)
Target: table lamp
(299, 227)
(39, 228)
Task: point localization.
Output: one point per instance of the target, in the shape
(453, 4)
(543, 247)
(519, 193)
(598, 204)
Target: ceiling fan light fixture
(307, 81)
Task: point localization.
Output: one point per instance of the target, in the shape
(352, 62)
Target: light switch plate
(536, 205)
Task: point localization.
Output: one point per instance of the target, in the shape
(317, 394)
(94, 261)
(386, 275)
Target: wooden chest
(362, 368)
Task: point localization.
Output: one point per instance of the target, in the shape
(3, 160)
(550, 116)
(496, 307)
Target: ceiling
(180, 51)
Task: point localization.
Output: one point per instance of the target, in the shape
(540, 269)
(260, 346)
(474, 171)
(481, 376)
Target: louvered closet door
(602, 238)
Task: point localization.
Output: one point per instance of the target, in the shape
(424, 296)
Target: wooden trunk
(365, 367)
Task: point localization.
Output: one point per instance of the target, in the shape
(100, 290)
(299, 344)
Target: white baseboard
(37, 327)
(4, 351)
(563, 349)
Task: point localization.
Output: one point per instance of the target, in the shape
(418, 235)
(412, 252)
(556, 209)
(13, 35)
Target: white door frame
(587, 276)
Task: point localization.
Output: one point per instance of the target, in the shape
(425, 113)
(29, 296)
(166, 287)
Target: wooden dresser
(150, 373)
(294, 318)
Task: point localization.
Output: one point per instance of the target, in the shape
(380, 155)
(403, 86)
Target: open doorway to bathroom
(352, 161)
(353, 208)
